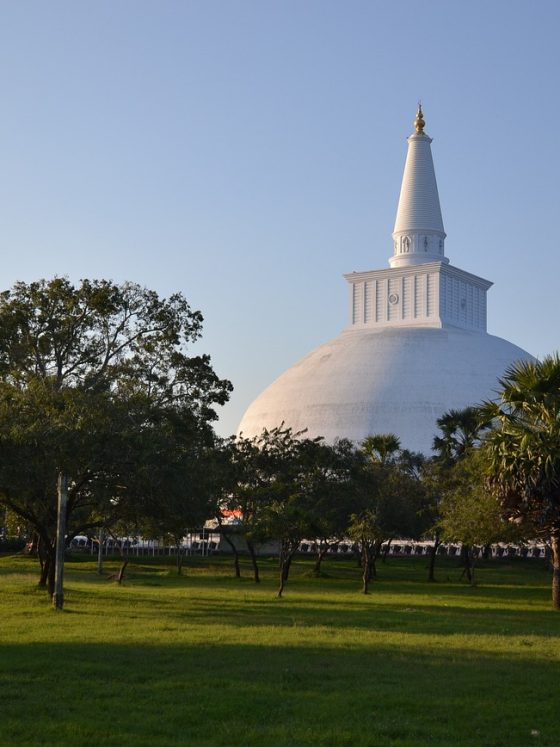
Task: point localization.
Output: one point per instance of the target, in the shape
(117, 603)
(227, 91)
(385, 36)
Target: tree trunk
(179, 559)
(466, 563)
(47, 558)
(433, 553)
(286, 554)
(50, 575)
(375, 553)
(287, 565)
(467, 559)
(323, 549)
(555, 548)
(284, 570)
(100, 552)
(235, 554)
(282, 580)
(43, 555)
(472, 564)
(366, 571)
(282, 560)
(44, 575)
(120, 574)
(254, 563)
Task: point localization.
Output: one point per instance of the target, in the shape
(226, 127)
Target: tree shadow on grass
(426, 619)
(410, 608)
(406, 608)
(219, 695)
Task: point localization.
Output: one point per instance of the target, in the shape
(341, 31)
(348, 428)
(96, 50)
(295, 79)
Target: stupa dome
(391, 381)
(416, 344)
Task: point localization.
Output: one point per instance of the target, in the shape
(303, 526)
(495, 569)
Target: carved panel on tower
(378, 301)
(357, 302)
(367, 302)
(430, 295)
(407, 292)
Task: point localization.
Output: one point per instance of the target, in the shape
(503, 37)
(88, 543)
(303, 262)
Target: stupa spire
(419, 123)
(418, 235)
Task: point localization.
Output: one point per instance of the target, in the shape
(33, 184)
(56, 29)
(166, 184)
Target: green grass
(210, 660)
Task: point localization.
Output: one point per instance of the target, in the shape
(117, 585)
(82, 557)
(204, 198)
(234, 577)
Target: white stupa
(416, 344)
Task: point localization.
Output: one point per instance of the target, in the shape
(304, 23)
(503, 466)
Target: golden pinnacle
(419, 121)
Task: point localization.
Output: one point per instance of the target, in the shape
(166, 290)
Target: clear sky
(247, 153)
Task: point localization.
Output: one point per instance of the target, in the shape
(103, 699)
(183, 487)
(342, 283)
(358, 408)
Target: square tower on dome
(421, 288)
(425, 295)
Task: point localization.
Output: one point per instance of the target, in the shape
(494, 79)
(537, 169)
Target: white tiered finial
(418, 235)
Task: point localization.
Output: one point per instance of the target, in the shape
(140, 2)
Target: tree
(381, 447)
(470, 513)
(363, 529)
(225, 470)
(523, 451)
(461, 432)
(287, 488)
(246, 494)
(293, 471)
(434, 481)
(96, 383)
(176, 492)
(313, 497)
(389, 497)
(333, 497)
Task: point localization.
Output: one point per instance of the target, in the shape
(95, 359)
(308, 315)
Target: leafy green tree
(176, 484)
(460, 432)
(316, 500)
(470, 513)
(246, 494)
(434, 481)
(93, 380)
(287, 488)
(294, 475)
(226, 478)
(333, 498)
(523, 450)
(364, 531)
(389, 496)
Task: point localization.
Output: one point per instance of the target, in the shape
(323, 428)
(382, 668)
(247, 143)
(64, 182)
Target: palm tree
(460, 431)
(382, 447)
(524, 450)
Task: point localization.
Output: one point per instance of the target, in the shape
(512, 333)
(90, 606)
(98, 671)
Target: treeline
(100, 400)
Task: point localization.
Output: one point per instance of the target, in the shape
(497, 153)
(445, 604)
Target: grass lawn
(207, 659)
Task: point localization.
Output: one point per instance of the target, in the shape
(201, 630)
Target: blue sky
(249, 153)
